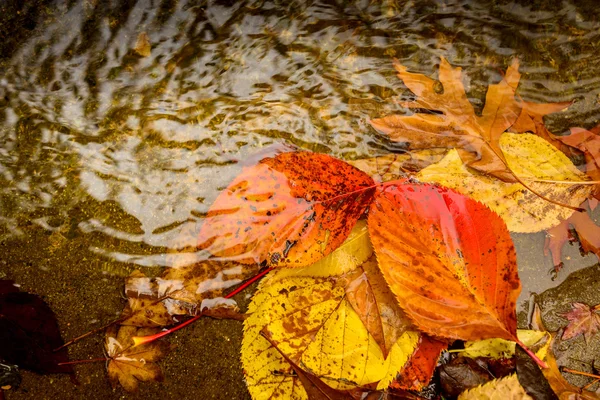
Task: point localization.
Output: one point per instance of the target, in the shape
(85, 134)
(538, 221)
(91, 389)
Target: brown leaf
(583, 320)
(454, 122)
(373, 301)
(587, 233)
(589, 143)
(130, 365)
(142, 45)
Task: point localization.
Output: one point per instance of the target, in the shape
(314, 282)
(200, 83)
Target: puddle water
(111, 147)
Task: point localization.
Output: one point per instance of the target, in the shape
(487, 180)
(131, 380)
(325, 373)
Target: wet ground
(109, 148)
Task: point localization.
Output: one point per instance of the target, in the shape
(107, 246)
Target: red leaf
(448, 259)
(291, 209)
(583, 320)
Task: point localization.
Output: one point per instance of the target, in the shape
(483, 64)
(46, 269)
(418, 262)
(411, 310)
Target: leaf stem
(139, 340)
(93, 360)
(574, 371)
(531, 354)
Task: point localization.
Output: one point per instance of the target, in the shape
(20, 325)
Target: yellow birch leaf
(532, 159)
(399, 355)
(500, 348)
(507, 388)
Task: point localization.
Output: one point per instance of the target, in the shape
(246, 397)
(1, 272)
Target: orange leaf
(448, 259)
(589, 143)
(291, 209)
(419, 369)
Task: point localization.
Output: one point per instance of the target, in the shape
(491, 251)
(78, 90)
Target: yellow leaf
(500, 348)
(310, 320)
(355, 250)
(532, 159)
(507, 388)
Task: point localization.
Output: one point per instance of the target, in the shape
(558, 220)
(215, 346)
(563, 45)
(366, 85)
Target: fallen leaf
(310, 320)
(533, 160)
(417, 372)
(461, 374)
(583, 320)
(531, 378)
(290, 210)
(142, 45)
(507, 388)
(29, 332)
(390, 167)
(448, 259)
(589, 143)
(500, 348)
(130, 365)
(586, 232)
(454, 123)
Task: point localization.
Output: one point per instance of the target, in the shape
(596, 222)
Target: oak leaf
(583, 320)
(535, 161)
(507, 388)
(286, 210)
(130, 365)
(448, 259)
(451, 121)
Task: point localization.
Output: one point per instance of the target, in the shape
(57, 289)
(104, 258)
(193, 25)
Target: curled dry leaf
(507, 388)
(448, 259)
(130, 365)
(454, 123)
(532, 159)
(291, 209)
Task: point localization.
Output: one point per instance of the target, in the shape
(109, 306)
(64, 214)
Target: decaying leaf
(462, 373)
(448, 259)
(452, 121)
(142, 45)
(29, 332)
(130, 365)
(291, 210)
(179, 291)
(587, 233)
(583, 320)
(533, 160)
(531, 378)
(507, 388)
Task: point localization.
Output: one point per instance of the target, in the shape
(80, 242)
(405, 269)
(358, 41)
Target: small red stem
(139, 340)
(531, 354)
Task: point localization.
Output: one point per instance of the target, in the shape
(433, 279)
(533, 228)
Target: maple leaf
(129, 365)
(454, 123)
(532, 159)
(287, 210)
(583, 320)
(448, 259)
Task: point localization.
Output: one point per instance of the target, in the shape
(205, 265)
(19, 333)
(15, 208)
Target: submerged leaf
(448, 259)
(291, 210)
(531, 158)
(130, 365)
(454, 123)
(589, 143)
